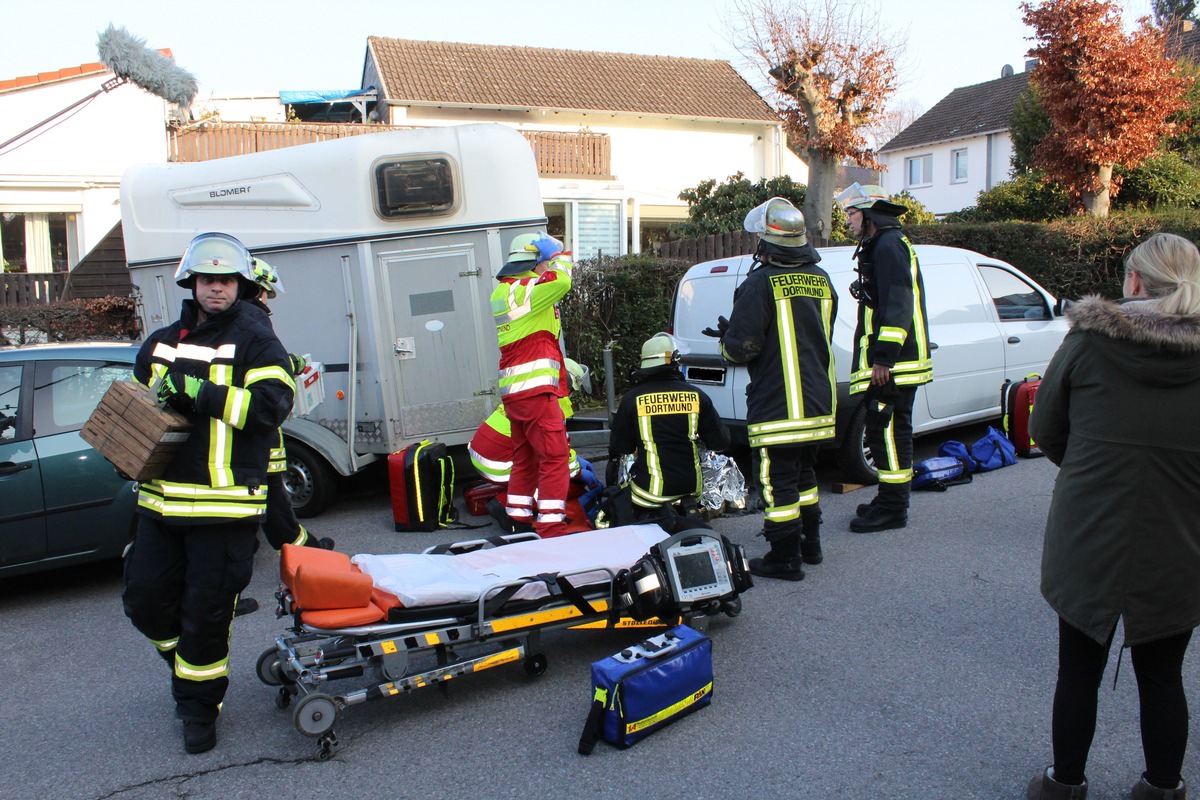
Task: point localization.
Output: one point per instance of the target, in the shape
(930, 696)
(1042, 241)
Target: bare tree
(831, 69)
(899, 115)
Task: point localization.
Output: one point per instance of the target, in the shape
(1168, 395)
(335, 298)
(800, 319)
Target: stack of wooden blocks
(133, 432)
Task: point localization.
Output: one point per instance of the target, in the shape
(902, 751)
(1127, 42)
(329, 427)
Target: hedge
(72, 320)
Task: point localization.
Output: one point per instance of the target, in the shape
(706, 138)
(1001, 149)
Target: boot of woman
(1145, 790)
(1044, 787)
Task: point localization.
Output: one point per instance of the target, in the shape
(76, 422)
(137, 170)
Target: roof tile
(965, 112)
(533, 77)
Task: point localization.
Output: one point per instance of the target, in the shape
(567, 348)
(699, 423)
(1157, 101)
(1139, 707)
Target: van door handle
(9, 468)
(1014, 340)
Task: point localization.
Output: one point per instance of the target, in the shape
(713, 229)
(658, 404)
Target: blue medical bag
(648, 686)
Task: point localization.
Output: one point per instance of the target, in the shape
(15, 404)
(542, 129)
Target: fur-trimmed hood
(1161, 349)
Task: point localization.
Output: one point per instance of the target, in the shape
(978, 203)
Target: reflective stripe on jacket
(491, 448)
(893, 330)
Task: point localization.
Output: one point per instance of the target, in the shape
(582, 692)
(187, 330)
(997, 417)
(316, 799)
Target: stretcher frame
(400, 657)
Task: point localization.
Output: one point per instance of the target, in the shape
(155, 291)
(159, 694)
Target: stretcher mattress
(420, 579)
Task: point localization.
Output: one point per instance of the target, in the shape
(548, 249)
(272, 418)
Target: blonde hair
(1169, 267)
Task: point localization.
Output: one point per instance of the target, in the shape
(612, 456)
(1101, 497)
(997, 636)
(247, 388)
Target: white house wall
(943, 195)
(74, 163)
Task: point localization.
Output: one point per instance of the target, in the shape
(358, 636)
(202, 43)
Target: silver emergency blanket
(724, 485)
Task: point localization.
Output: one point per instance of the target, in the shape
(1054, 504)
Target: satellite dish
(1006, 71)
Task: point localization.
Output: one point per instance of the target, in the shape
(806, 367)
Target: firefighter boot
(199, 737)
(781, 561)
(810, 546)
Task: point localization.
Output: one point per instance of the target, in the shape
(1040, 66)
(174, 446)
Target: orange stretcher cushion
(292, 556)
(385, 599)
(333, 619)
(318, 588)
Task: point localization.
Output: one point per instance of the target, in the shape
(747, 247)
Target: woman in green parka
(1119, 412)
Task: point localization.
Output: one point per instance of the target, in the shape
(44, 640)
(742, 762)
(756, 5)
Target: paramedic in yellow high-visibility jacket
(193, 549)
(532, 378)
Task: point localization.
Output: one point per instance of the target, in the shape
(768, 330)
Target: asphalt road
(911, 664)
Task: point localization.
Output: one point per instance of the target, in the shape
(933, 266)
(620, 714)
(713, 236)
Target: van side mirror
(1061, 305)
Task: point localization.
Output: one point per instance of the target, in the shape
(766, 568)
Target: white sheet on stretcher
(429, 580)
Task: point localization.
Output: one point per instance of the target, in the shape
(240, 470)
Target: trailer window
(411, 188)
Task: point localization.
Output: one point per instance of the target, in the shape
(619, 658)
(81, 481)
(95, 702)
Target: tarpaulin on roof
(324, 95)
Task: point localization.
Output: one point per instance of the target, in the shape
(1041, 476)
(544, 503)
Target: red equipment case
(1016, 406)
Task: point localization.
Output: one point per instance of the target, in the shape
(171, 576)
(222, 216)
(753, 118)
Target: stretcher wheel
(732, 608)
(315, 714)
(535, 665)
(283, 699)
(268, 667)
(326, 745)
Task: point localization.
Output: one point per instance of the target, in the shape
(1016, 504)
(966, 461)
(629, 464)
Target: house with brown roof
(958, 148)
(65, 139)
(617, 136)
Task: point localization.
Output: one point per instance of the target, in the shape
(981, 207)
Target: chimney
(1030, 63)
(1187, 25)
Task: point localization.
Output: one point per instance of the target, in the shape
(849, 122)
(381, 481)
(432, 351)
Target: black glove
(719, 331)
(612, 470)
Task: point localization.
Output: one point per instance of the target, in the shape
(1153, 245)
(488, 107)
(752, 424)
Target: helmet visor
(215, 254)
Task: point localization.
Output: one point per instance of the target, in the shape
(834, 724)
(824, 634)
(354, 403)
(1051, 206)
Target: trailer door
(436, 309)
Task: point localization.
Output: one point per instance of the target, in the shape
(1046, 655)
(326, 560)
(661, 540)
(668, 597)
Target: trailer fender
(325, 442)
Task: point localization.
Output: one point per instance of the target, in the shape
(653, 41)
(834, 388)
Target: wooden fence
(582, 154)
(706, 248)
(31, 288)
(210, 140)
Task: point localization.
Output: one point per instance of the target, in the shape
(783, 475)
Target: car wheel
(854, 457)
(309, 480)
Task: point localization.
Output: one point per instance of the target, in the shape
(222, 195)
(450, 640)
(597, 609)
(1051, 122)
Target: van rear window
(414, 187)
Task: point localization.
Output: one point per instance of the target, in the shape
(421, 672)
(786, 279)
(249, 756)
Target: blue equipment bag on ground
(648, 686)
(993, 451)
(937, 473)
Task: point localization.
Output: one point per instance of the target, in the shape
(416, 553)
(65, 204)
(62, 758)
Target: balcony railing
(31, 288)
(559, 155)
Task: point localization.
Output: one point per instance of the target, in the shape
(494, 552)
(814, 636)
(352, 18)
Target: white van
(988, 321)
(387, 244)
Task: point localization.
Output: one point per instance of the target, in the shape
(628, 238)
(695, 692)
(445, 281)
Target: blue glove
(298, 363)
(180, 391)
(546, 246)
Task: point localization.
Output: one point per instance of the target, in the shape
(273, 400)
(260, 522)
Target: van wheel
(309, 480)
(854, 457)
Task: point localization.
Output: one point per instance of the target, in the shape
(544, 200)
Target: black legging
(1164, 712)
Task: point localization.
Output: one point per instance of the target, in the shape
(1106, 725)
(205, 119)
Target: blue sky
(263, 46)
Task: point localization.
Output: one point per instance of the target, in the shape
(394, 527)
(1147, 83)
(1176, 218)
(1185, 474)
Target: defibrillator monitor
(696, 567)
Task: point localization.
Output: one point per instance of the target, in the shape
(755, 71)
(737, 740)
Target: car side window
(1014, 298)
(10, 400)
(66, 393)
(951, 297)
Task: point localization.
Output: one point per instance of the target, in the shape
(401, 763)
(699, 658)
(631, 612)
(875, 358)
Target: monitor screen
(695, 569)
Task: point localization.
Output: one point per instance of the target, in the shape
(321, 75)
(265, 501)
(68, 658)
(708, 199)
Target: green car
(61, 503)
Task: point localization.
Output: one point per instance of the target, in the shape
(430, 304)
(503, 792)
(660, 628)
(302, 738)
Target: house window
(919, 170)
(958, 166)
(38, 241)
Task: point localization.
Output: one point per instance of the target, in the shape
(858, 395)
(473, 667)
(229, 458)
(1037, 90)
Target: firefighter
(281, 526)
(891, 348)
(780, 327)
(193, 549)
(662, 420)
(533, 376)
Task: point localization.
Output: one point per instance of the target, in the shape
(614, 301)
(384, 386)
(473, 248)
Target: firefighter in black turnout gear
(891, 348)
(193, 550)
(662, 420)
(780, 327)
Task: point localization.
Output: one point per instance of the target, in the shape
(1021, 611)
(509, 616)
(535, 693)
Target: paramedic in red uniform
(532, 378)
(193, 550)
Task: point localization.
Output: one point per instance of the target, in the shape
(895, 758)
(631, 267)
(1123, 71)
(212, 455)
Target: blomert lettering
(229, 192)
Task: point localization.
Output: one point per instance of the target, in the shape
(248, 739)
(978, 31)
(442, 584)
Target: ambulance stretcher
(400, 622)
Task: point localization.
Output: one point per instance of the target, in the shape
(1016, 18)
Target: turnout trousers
(789, 485)
(890, 437)
(540, 464)
(181, 584)
(281, 526)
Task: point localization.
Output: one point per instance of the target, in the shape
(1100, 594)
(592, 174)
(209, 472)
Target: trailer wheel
(854, 457)
(309, 480)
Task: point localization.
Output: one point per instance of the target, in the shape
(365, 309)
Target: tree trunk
(818, 201)
(1096, 203)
